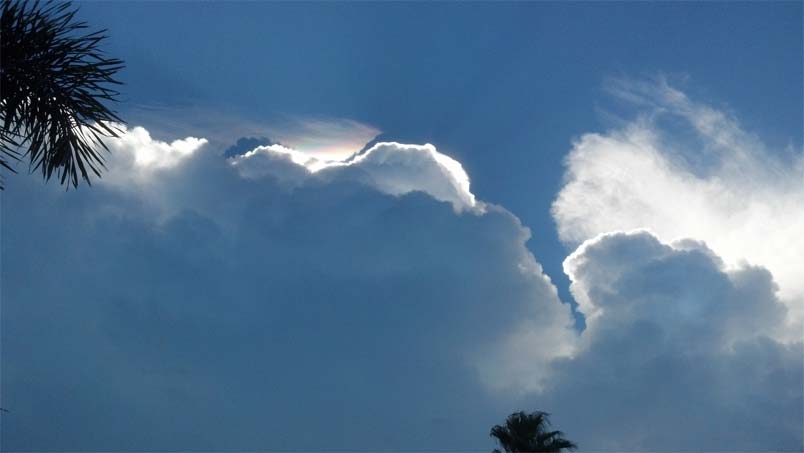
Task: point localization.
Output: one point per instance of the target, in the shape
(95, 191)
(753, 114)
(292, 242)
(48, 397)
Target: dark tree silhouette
(55, 80)
(530, 433)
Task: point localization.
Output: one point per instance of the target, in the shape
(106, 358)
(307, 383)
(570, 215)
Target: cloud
(136, 158)
(180, 305)
(620, 278)
(678, 353)
(686, 265)
(392, 168)
(246, 144)
(189, 301)
(326, 138)
(685, 169)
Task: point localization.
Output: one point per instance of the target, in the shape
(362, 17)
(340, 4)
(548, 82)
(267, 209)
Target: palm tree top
(523, 432)
(55, 81)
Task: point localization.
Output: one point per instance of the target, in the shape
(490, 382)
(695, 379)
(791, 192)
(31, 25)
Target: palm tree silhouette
(53, 85)
(529, 433)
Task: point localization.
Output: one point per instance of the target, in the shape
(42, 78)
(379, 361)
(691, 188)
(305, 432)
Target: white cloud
(720, 185)
(392, 168)
(137, 161)
(135, 157)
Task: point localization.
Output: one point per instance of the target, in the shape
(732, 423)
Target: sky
(386, 226)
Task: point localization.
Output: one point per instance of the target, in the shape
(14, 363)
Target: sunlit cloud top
(686, 169)
(391, 167)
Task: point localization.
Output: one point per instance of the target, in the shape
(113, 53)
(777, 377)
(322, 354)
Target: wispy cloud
(329, 139)
(319, 136)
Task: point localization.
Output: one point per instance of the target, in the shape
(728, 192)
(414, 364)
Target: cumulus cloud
(678, 352)
(189, 304)
(619, 278)
(687, 272)
(136, 157)
(392, 168)
(685, 169)
(246, 144)
(189, 301)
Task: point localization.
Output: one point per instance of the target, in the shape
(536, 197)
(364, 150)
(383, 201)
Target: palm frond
(55, 82)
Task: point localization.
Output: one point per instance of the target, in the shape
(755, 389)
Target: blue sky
(635, 168)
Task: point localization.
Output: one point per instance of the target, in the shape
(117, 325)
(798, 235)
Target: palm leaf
(55, 83)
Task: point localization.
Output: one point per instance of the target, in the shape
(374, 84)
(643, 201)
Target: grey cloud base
(678, 355)
(187, 307)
